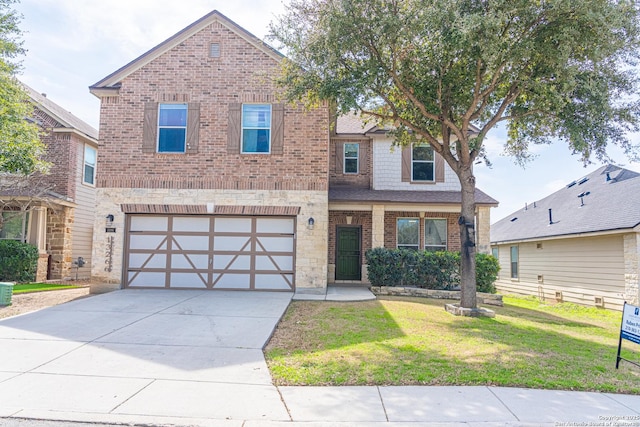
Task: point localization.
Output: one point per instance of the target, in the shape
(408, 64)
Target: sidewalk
(191, 358)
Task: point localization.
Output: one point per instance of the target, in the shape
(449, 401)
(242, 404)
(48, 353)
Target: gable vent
(214, 50)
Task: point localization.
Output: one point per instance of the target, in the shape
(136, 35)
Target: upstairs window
(256, 128)
(89, 173)
(408, 233)
(435, 234)
(422, 163)
(172, 128)
(351, 155)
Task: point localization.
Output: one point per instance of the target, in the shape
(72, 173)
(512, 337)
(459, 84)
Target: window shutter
(277, 129)
(340, 157)
(406, 164)
(193, 127)
(234, 128)
(439, 166)
(363, 160)
(150, 127)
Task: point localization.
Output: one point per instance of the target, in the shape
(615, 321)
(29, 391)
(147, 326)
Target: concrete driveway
(142, 354)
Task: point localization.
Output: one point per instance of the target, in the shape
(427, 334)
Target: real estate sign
(629, 329)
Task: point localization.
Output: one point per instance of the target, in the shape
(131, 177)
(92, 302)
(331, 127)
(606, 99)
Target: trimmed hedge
(18, 261)
(429, 270)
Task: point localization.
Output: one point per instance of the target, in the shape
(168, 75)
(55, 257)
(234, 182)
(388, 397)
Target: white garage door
(210, 252)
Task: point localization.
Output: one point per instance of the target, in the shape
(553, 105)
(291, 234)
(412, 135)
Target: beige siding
(84, 218)
(580, 268)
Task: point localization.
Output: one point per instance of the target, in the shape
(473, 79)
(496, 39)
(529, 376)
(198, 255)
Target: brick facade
(186, 73)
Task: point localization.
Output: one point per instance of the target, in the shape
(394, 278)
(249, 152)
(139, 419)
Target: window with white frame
(256, 128)
(89, 173)
(13, 225)
(408, 233)
(422, 163)
(435, 234)
(514, 262)
(172, 128)
(351, 155)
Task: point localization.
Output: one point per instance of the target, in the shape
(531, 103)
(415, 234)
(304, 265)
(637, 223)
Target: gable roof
(61, 115)
(112, 80)
(607, 199)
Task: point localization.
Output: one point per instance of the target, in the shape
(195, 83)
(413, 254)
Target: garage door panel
(143, 241)
(188, 280)
(146, 279)
(191, 224)
(273, 281)
(149, 223)
(233, 225)
(275, 225)
(139, 260)
(232, 281)
(197, 243)
(232, 243)
(200, 262)
(275, 244)
(206, 251)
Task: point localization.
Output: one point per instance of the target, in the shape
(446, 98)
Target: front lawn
(402, 341)
(24, 288)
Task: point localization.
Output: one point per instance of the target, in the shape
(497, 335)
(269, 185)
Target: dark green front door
(348, 256)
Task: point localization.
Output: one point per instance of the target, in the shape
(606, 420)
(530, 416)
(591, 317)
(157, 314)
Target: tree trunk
(468, 239)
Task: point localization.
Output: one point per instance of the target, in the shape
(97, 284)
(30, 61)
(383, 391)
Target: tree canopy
(445, 72)
(21, 150)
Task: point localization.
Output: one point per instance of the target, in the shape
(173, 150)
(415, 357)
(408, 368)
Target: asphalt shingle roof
(610, 201)
(350, 194)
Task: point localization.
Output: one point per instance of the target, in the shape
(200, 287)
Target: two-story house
(393, 197)
(208, 180)
(56, 213)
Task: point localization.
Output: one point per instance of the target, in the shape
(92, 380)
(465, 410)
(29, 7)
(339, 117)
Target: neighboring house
(207, 180)
(394, 197)
(58, 216)
(580, 244)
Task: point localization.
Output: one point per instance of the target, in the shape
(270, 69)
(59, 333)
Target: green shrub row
(429, 270)
(18, 261)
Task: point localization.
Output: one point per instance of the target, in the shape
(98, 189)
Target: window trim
(242, 128)
(515, 273)
(495, 251)
(446, 235)
(345, 158)
(185, 127)
(433, 162)
(85, 164)
(417, 247)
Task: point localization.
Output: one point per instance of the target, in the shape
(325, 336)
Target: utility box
(6, 291)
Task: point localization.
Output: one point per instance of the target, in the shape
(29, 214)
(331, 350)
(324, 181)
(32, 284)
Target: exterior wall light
(311, 223)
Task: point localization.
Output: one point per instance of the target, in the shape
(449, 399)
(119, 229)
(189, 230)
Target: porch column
(483, 231)
(377, 226)
(631, 268)
(37, 236)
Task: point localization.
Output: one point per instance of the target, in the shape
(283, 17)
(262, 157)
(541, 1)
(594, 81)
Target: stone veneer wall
(59, 224)
(311, 245)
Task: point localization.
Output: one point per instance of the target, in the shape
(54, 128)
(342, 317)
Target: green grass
(39, 287)
(403, 341)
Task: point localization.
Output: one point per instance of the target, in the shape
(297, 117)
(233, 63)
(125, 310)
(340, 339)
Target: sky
(72, 44)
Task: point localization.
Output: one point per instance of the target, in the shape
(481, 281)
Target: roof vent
(214, 50)
(583, 180)
(608, 177)
(514, 219)
(582, 195)
(571, 184)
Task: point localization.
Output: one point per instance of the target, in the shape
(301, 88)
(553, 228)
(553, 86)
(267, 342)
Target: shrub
(423, 269)
(18, 261)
